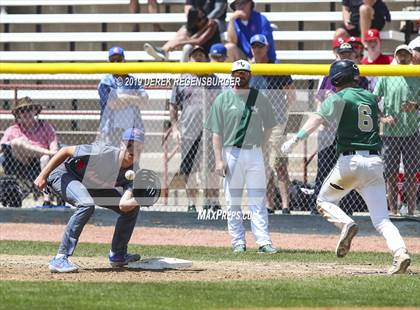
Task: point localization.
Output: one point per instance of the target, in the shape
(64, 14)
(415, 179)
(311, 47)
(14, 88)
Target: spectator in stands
(120, 99)
(401, 137)
(29, 143)
(415, 47)
(357, 44)
(218, 53)
(361, 15)
(374, 54)
(199, 30)
(194, 101)
(152, 7)
(327, 155)
(244, 23)
(280, 92)
(215, 9)
(374, 49)
(336, 44)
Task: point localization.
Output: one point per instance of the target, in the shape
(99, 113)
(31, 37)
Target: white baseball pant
(246, 166)
(364, 173)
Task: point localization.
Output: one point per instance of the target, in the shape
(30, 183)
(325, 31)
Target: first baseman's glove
(288, 146)
(146, 187)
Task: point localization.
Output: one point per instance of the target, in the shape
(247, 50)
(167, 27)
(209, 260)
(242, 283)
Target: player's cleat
(157, 53)
(400, 263)
(122, 260)
(239, 248)
(62, 264)
(347, 234)
(267, 249)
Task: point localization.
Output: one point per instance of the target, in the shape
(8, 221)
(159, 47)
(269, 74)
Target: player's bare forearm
(217, 147)
(220, 168)
(312, 124)
(55, 161)
(58, 159)
(127, 202)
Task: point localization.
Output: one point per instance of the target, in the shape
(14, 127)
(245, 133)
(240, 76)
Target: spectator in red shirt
(374, 53)
(29, 143)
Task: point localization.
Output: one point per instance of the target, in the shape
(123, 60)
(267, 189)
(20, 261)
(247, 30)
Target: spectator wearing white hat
(400, 134)
(241, 120)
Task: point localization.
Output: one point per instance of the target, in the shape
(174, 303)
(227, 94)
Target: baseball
(129, 175)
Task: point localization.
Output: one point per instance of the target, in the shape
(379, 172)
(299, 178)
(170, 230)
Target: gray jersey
(194, 101)
(97, 166)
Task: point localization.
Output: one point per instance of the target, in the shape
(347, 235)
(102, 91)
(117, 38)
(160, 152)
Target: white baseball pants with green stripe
(364, 173)
(246, 167)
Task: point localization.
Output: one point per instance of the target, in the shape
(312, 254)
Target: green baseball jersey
(356, 112)
(238, 120)
(396, 90)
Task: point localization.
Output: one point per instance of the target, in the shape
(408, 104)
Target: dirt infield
(94, 269)
(25, 268)
(195, 237)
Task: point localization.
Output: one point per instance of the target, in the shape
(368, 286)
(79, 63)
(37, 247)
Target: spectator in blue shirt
(244, 23)
(120, 99)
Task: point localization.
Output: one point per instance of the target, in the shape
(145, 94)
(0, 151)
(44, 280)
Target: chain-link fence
(42, 113)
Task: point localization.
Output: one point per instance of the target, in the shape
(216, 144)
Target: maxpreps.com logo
(210, 215)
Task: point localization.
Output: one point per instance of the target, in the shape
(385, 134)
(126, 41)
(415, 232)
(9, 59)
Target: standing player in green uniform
(241, 120)
(359, 165)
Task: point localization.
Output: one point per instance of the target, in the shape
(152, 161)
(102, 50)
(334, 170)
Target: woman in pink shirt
(28, 143)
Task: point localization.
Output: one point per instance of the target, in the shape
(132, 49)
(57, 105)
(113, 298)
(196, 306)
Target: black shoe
(270, 211)
(206, 207)
(285, 211)
(215, 207)
(192, 209)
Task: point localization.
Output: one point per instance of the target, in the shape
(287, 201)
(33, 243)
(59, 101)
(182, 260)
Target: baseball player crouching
(241, 120)
(88, 175)
(359, 165)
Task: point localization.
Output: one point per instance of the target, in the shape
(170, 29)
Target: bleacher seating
(284, 38)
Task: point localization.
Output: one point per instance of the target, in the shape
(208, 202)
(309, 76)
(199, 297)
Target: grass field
(289, 289)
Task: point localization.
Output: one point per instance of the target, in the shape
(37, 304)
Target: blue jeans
(74, 192)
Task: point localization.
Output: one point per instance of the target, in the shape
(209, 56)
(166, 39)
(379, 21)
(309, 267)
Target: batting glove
(288, 146)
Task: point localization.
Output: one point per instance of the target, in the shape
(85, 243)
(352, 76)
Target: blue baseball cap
(218, 49)
(259, 38)
(133, 134)
(116, 50)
